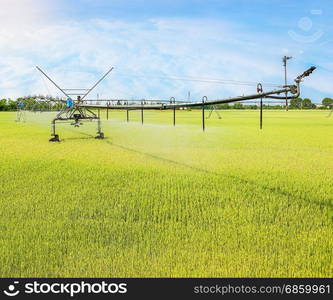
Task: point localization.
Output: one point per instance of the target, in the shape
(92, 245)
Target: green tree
(328, 102)
(11, 105)
(3, 104)
(306, 103)
(296, 103)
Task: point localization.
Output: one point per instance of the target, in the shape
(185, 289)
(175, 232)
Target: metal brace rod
(97, 83)
(57, 86)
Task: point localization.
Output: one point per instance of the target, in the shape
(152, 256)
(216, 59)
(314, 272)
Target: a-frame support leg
(55, 137)
(100, 134)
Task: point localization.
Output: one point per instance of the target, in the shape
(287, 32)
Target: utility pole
(284, 59)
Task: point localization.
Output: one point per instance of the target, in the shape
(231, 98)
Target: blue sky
(76, 41)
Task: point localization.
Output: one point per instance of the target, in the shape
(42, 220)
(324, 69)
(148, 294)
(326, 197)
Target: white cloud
(321, 81)
(19, 13)
(75, 53)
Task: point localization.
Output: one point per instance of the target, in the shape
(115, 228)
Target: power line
(198, 79)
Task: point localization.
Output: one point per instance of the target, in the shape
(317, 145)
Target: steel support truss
(75, 112)
(77, 115)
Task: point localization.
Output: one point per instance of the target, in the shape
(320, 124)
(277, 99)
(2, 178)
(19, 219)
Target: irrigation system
(81, 109)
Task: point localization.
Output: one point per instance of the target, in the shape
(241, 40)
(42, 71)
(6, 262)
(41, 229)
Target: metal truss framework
(75, 111)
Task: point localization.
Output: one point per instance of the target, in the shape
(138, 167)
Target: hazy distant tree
(238, 106)
(223, 106)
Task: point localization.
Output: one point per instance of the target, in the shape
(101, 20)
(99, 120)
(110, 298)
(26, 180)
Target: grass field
(158, 201)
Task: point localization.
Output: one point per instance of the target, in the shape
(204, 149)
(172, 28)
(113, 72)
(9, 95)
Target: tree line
(298, 103)
(31, 103)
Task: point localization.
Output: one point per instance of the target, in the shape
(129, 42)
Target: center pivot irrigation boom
(81, 109)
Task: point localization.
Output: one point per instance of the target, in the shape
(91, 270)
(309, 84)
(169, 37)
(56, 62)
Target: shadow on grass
(88, 136)
(77, 138)
(274, 190)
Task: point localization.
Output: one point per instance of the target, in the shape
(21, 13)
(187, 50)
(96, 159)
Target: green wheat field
(155, 200)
